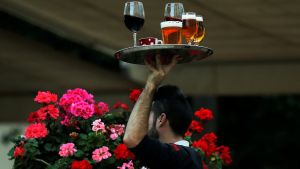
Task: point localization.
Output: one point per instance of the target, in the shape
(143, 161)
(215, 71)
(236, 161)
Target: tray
(186, 53)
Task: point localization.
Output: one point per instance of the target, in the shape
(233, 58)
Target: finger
(149, 65)
(158, 62)
(172, 64)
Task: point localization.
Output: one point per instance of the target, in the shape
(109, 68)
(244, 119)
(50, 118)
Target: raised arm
(137, 126)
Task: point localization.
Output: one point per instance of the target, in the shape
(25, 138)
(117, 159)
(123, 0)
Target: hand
(158, 70)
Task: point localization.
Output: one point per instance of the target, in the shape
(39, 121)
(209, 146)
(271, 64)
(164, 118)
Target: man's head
(170, 112)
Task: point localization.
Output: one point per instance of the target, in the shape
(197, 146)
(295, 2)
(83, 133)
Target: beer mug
(189, 28)
(171, 32)
(200, 30)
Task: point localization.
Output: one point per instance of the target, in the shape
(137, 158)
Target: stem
(42, 161)
(134, 39)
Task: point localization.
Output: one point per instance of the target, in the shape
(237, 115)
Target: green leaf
(62, 163)
(81, 143)
(31, 147)
(188, 138)
(11, 152)
(83, 136)
(111, 160)
(79, 154)
(50, 147)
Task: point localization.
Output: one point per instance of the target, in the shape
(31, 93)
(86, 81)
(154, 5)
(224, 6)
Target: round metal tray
(186, 53)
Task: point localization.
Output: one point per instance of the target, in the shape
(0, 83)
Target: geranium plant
(77, 132)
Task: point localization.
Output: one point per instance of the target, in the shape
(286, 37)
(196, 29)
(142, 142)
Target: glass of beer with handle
(171, 32)
(134, 17)
(200, 30)
(173, 11)
(189, 26)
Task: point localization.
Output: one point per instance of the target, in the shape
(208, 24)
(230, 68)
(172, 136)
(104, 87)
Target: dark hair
(170, 100)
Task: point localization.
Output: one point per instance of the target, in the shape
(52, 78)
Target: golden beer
(171, 32)
(200, 30)
(189, 26)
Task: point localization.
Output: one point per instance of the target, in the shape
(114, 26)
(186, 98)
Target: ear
(162, 119)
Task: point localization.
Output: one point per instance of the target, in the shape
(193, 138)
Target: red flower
(204, 114)
(135, 94)
(204, 165)
(196, 126)
(45, 97)
(19, 151)
(200, 144)
(122, 152)
(187, 134)
(37, 130)
(83, 164)
(36, 117)
(206, 144)
(101, 108)
(121, 105)
(207, 148)
(117, 105)
(124, 106)
(224, 152)
(210, 137)
(51, 110)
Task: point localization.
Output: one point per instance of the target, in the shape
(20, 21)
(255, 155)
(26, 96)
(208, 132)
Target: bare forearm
(137, 125)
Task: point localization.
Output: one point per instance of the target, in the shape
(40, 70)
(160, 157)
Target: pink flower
(128, 165)
(45, 97)
(116, 130)
(119, 128)
(101, 153)
(82, 109)
(83, 94)
(67, 100)
(98, 125)
(66, 121)
(67, 149)
(113, 135)
(101, 108)
(37, 130)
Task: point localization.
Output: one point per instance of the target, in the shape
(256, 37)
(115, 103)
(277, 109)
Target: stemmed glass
(189, 26)
(134, 17)
(173, 11)
(198, 37)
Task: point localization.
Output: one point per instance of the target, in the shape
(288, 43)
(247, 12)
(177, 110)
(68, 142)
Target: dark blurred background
(252, 81)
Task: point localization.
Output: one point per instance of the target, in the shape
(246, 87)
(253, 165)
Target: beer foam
(199, 18)
(171, 24)
(188, 16)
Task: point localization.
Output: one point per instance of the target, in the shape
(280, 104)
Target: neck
(169, 138)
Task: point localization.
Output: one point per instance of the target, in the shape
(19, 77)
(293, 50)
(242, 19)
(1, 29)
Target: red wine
(133, 23)
(168, 18)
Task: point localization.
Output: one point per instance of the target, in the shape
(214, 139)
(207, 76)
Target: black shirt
(156, 155)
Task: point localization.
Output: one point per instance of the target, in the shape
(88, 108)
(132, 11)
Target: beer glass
(189, 26)
(200, 30)
(173, 11)
(134, 17)
(171, 32)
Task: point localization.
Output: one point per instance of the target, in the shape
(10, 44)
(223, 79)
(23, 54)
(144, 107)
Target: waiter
(157, 124)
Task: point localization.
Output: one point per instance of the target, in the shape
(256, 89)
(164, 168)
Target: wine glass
(134, 17)
(189, 26)
(173, 11)
(198, 37)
